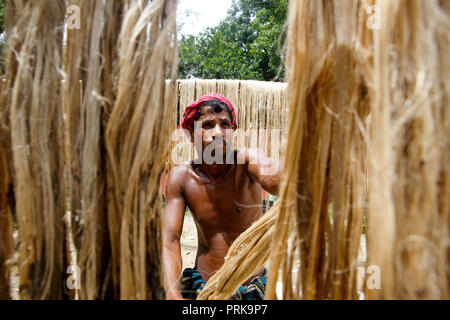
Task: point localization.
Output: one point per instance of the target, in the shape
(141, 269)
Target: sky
(196, 15)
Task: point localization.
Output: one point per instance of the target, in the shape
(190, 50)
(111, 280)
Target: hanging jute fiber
(83, 105)
(408, 154)
(116, 134)
(6, 222)
(311, 255)
(136, 141)
(93, 101)
(368, 132)
(34, 39)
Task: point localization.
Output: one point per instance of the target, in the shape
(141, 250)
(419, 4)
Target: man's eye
(225, 124)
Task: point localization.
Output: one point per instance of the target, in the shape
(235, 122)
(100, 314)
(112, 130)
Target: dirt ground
(188, 242)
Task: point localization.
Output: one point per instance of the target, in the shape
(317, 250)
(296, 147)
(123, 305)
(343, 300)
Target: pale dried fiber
(117, 141)
(117, 105)
(136, 140)
(408, 154)
(323, 164)
(322, 117)
(87, 90)
(33, 63)
(6, 240)
(369, 126)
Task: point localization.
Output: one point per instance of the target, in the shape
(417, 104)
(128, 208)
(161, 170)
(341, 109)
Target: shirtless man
(223, 196)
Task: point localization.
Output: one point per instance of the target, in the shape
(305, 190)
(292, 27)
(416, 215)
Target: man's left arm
(264, 169)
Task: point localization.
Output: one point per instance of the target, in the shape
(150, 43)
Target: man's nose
(218, 132)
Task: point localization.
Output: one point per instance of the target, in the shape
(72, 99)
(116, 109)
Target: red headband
(191, 110)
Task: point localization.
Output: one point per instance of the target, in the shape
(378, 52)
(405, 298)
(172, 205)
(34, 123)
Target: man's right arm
(172, 227)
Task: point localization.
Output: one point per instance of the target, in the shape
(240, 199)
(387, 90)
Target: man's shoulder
(179, 173)
(182, 166)
(247, 155)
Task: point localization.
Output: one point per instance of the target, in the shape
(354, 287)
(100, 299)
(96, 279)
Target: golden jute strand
(405, 150)
(205, 87)
(110, 266)
(299, 86)
(347, 203)
(6, 221)
(323, 249)
(381, 253)
(262, 127)
(251, 124)
(443, 42)
(85, 100)
(7, 201)
(323, 75)
(408, 152)
(348, 87)
(33, 64)
(136, 141)
(188, 94)
(172, 110)
(231, 89)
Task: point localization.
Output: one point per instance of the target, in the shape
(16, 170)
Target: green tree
(245, 45)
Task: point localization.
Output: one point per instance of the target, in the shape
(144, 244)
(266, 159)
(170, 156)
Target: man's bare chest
(228, 204)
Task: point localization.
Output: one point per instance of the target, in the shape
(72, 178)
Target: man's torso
(222, 209)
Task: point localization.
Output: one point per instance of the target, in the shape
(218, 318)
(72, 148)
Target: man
(222, 189)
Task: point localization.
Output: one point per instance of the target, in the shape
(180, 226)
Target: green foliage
(243, 46)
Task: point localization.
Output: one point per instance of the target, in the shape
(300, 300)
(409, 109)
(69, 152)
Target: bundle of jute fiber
(34, 41)
(205, 87)
(87, 95)
(339, 70)
(6, 206)
(323, 158)
(408, 156)
(272, 107)
(120, 109)
(188, 94)
(172, 110)
(119, 55)
(111, 252)
(324, 70)
(248, 95)
(136, 140)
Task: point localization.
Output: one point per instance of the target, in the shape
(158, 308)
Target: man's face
(215, 131)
